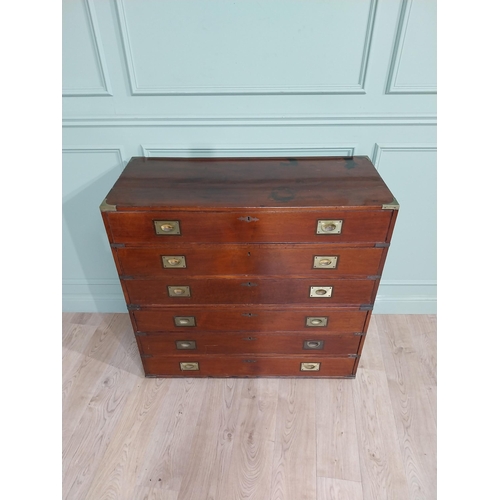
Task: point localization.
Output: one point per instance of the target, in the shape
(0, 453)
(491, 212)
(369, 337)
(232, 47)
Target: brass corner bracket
(104, 207)
(393, 205)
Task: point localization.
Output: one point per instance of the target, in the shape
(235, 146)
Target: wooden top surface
(208, 183)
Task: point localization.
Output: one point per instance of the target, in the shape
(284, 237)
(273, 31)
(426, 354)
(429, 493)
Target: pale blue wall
(241, 77)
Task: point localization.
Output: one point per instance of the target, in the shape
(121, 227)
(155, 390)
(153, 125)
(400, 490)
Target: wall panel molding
(397, 53)
(105, 90)
(136, 89)
(249, 121)
(250, 150)
(379, 149)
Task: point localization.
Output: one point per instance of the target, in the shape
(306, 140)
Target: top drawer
(250, 226)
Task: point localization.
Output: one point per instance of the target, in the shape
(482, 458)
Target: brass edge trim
(104, 207)
(393, 205)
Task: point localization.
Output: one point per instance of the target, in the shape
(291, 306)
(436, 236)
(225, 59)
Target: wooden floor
(126, 437)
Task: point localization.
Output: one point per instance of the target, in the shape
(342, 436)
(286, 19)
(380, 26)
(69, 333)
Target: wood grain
(100, 416)
(336, 439)
(213, 441)
(339, 489)
(414, 418)
(382, 472)
(294, 464)
(250, 472)
(127, 437)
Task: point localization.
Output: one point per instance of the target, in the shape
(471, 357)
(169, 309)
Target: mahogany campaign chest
(250, 267)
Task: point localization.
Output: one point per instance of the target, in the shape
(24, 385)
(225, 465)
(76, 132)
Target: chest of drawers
(248, 267)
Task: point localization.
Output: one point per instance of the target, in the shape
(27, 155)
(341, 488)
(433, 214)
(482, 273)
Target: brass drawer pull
(316, 321)
(320, 291)
(309, 367)
(325, 261)
(179, 291)
(190, 366)
(185, 344)
(184, 321)
(329, 227)
(173, 261)
(167, 227)
(313, 344)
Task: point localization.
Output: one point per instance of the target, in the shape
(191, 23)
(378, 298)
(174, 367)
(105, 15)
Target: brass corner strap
(104, 207)
(393, 205)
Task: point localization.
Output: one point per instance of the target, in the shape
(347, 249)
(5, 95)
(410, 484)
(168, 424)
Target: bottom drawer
(245, 366)
(248, 343)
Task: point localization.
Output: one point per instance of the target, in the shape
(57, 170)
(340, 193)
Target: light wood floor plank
(294, 464)
(213, 440)
(336, 437)
(415, 422)
(249, 474)
(371, 356)
(339, 489)
(81, 382)
(117, 475)
(382, 472)
(83, 450)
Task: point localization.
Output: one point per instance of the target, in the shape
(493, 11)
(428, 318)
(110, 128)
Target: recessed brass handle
(313, 344)
(325, 261)
(167, 227)
(320, 291)
(179, 291)
(189, 366)
(316, 320)
(173, 261)
(310, 367)
(184, 321)
(329, 226)
(185, 344)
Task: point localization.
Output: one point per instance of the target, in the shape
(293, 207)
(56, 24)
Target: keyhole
(249, 254)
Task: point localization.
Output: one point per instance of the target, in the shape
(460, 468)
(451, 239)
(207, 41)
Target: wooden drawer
(254, 291)
(248, 319)
(249, 226)
(248, 343)
(245, 366)
(174, 259)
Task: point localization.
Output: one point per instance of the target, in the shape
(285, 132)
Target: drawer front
(248, 343)
(244, 318)
(248, 226)
(173, 259)
(245, 366)
(255, 291)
